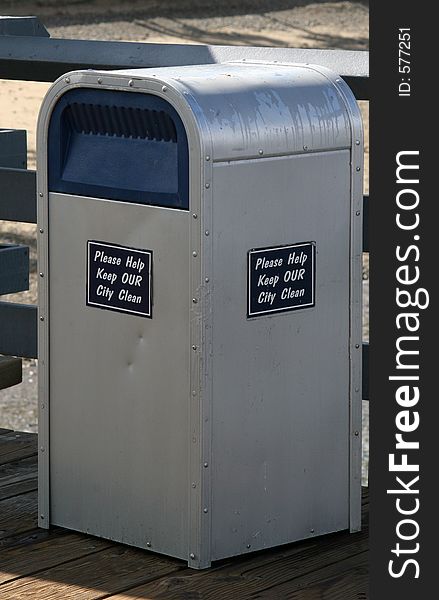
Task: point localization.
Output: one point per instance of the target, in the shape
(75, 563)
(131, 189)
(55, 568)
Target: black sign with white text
(281, 279)
(119, 278)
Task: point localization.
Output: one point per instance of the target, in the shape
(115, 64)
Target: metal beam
(365, 378)
(365, 223)
(11, 372)
(18, 329)
(18, 200)
(14, 269)
(46, 59)
(13, 148)
(31, 26)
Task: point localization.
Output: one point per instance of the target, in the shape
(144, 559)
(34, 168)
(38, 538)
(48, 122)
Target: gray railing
(28, 53)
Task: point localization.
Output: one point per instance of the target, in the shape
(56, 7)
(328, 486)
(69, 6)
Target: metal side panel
(119, 383)
(281, 382)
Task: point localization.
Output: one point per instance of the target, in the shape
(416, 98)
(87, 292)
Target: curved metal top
(259, 108)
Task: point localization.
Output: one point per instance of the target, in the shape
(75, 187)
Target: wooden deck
(40, 564)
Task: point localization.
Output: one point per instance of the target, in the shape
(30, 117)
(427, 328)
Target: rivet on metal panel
(305, 147)
(192, 555)
(148, 544)
(194, 254)
(42, 449)
(358, 169)
(164, 88)
(41, 230)
(41, 318)
(194, 347)
(207, 186)
(311, 530)
(207, 157)
(207, 279)
(338, 80)
(358, 213)
(43, 406)
(41, 194)
(195, 300)
(41, 274)
(99, 79)
(67, 79)
(194, 393)
(248, 546)
(356, 433)
(357, 142)
(131, 83)
(195, 216)
(357, 346)
(261, 152)
(357, 389)
(206, 465)
(206, 232)
(42, 517)
(194, 485)
(205, 510)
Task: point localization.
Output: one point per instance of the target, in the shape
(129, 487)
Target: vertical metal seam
(194, 441)
(199, 551)
(355, 326)
(43, 327)
(206, 399)
(61, 86)
(195, 347)
(42, 192)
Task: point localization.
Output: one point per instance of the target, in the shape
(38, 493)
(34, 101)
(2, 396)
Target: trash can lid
(249, 107)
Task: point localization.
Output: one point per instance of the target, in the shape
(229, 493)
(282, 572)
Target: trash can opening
(125, 146)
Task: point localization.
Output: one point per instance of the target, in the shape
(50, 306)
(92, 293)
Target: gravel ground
(298, 23)
(259, 22)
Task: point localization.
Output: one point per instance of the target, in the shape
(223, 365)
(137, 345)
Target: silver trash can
(200, 332)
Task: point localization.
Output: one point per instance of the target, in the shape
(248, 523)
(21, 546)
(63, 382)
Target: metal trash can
(200, 307)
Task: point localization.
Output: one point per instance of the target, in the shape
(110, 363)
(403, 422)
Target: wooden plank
(366, 223)
(347, 579)
(57, 549)
(17, 471)
(21, 485)
(18, 477)
(10, 371)
(365, 371)
(18, 514)
(5, 431)
(13, 148)
(246, 577)
(240, 577)
(17, 445)
(365, 496)
(19, 198)
(28, 537)
(14, 268)
(22, 26)
(94, 576)
(45, 59)
(61, 564)
(18, 329)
